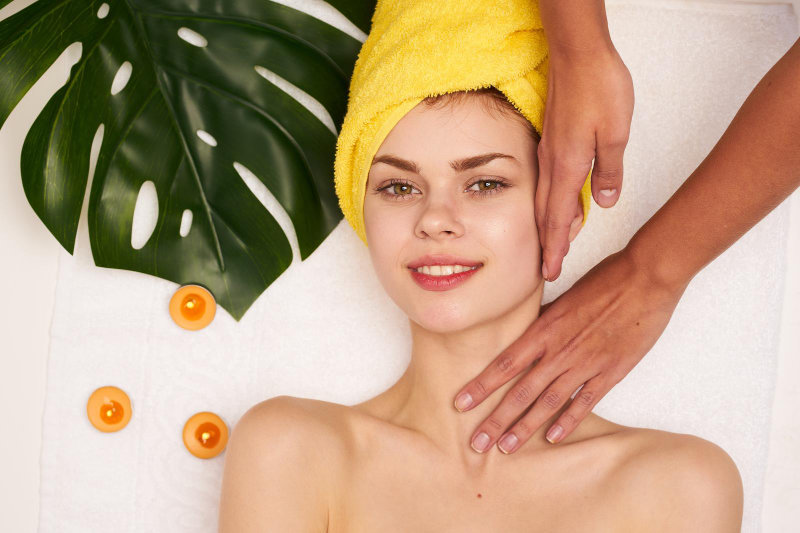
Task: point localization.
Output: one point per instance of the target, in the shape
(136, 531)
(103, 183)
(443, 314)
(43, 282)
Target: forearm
(753, 167)
(575, 26)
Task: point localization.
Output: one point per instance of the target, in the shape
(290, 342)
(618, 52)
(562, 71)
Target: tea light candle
(205, 435)
(192, 307)
(109, 409)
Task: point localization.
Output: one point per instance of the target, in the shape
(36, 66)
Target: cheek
(384, 227)
(511, 236)
(387, 236)
(506, 227)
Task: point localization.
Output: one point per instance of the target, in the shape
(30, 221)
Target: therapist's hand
(587, 117)
(591, 336)
(597, 331)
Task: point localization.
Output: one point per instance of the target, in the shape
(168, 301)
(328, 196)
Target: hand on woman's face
(433, 205)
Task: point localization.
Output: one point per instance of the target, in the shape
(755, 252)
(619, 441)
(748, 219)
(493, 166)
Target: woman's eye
(487, 186)
(397, 190)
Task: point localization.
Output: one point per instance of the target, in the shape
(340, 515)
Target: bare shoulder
(692, 483)
(278, 466)
(301, 414)
(305, 428)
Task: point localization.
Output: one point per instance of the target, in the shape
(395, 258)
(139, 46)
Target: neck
(441, 364)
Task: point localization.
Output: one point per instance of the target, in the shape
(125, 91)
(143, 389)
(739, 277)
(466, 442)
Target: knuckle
(568, 420)
(505, 364)
(551, 331)
(480, 388)
(571, 346)
(585, 399)
(615, 135)
(573, 170)
(552, 222)
(606, 176)
(616, 141)
(494, 424)
(522, 429)
(551, 399)
(522, 394)
(557, 252)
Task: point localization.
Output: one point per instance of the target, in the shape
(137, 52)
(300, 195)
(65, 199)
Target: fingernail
(480, 442)
(508, 443)
(463, 401)
(608, 193)
(544, 271)
(554, 434)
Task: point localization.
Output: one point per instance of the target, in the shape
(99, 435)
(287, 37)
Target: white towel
(711, 374)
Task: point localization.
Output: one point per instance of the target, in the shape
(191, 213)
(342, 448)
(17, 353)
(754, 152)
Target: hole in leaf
(145, 215)
(121, 77)
(186, 222)
(82, 238)
(73, 52)
(325, 12)
(302, 97)
(207, 138)
(103, 11)
(271, 203)
(192, 37)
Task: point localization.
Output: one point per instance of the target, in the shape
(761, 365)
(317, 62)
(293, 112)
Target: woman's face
(437, 198)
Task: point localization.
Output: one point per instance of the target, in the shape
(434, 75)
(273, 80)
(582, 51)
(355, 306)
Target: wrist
(661, 269)
(576, 29)
(578, 54)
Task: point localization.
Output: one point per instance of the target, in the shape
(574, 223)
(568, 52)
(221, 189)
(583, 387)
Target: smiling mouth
(442, 278)
(444, 270)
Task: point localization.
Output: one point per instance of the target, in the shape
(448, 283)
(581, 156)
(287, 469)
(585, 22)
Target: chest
(413, 494)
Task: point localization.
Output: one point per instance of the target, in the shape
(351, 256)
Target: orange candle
(109, 409)
(192, 307)
(205, 435)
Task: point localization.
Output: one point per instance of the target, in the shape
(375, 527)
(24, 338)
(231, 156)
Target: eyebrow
(459, 165)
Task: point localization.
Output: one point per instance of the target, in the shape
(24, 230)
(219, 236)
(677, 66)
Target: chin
(445, 318)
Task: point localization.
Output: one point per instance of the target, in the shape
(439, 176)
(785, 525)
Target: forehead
(457, 130)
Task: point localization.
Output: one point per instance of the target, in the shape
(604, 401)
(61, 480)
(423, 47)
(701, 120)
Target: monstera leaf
(190, 112)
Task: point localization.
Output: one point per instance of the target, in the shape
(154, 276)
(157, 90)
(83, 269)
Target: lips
(442, 259)
(442, 283)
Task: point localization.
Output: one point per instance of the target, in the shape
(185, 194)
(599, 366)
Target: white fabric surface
(327, 330)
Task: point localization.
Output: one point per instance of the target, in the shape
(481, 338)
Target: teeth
(443, 270)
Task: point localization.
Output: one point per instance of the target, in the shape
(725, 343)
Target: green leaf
(235, 247)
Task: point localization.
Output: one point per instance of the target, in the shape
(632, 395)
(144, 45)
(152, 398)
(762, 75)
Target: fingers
(607, 174)
(546, 406)
(577, 221)
(516, 401)
(513, 360)
(542, 193)
(561, 208)
(580, 406)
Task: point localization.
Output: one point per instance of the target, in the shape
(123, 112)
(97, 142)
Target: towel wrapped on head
(422, 48)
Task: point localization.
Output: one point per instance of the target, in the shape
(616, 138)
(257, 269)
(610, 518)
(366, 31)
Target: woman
(397, 462)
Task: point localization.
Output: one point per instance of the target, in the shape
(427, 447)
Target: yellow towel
(421, 48)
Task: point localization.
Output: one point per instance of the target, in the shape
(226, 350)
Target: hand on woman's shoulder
(686, 482)
(277, 468)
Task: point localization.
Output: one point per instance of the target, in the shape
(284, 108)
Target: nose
(439, 219)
